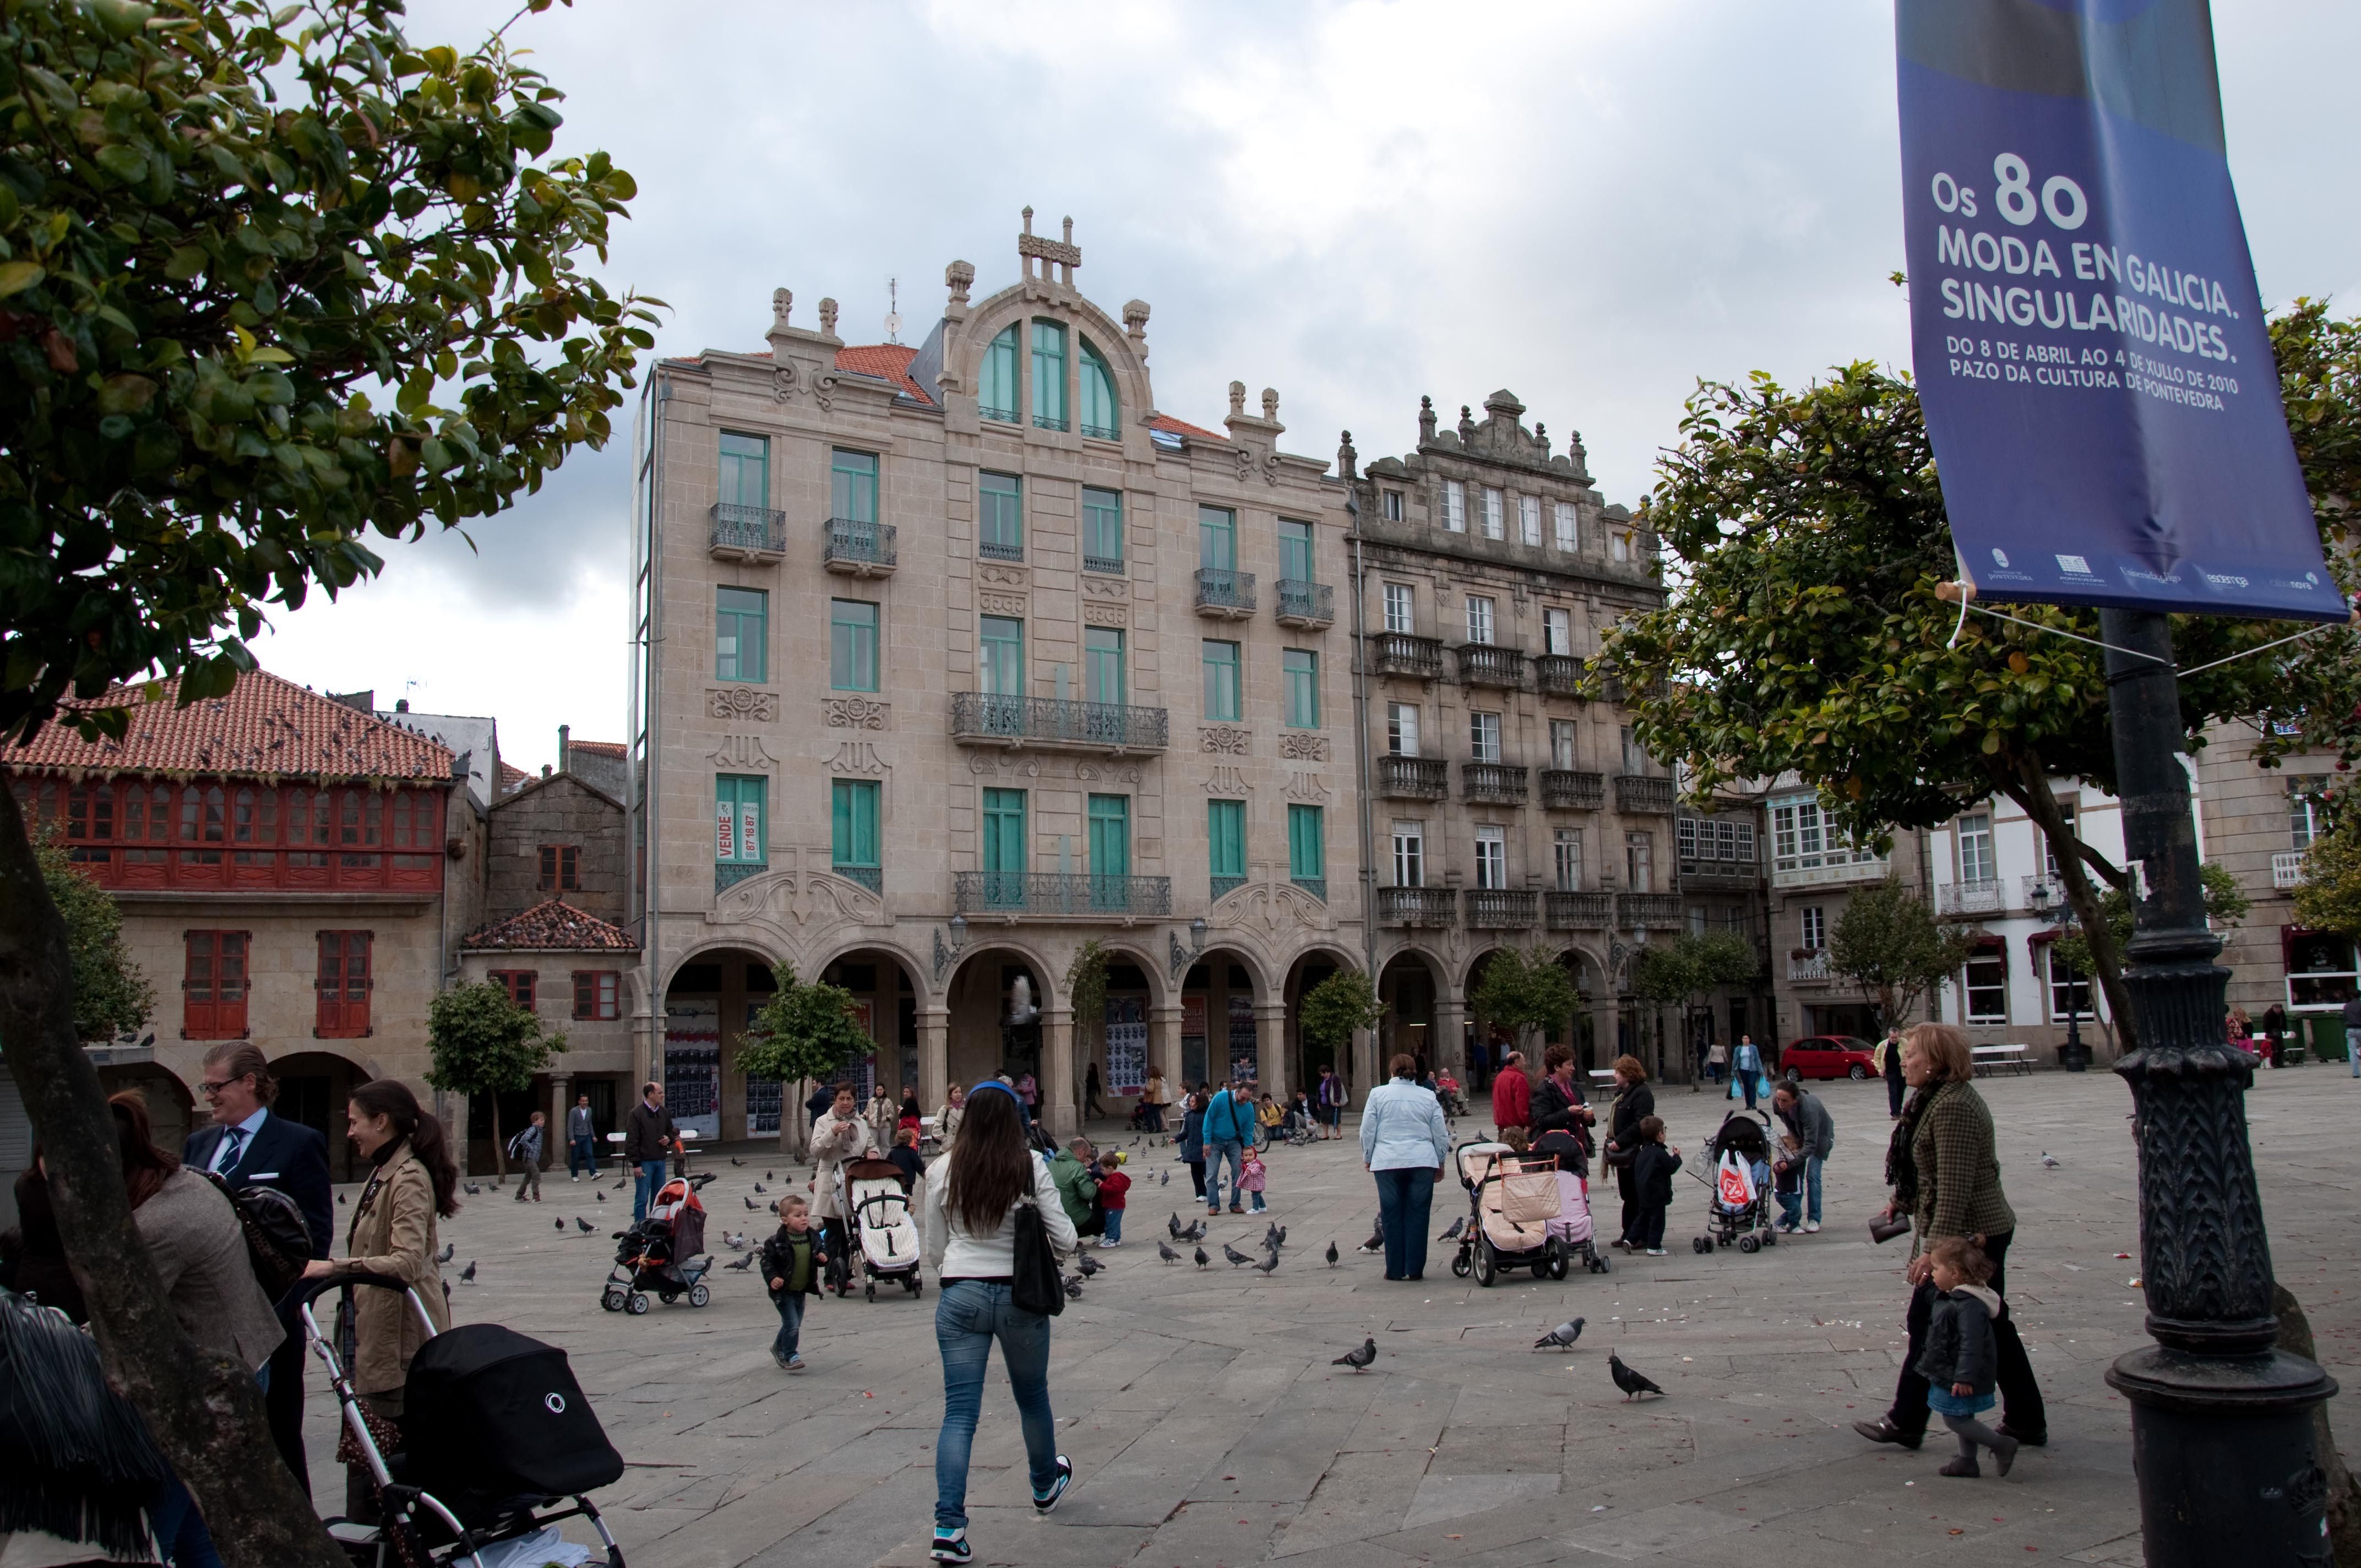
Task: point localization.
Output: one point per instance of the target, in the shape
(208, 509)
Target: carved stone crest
(1121, 772)
(788, 897)
(1271, 908)
(1305, 786)
(791, 380)
(980, 764)
(857, 713)
(742, 702)
(738, 752)
(1299, 746)
(1099, 587)
(1224, 740)
(1227, 782)
(1007, 576)
(1000, 604)
(857, 757)
(1106, 615)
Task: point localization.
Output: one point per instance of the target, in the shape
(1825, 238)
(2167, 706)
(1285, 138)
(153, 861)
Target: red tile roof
(265, 727)
(1183, 427)
(887, 362)
(552, 925)
(512, 777)
(603, 748)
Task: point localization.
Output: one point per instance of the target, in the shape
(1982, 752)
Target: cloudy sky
(1591, 204)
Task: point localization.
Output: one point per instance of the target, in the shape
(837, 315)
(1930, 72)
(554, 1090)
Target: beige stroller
(1514, 1205)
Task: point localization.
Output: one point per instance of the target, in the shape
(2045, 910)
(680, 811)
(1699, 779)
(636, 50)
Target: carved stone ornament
(1000, 604)
(859, 758)
(1105, 588)
(1302, 747)
(1224, 740)
(740, 753)
(1245, 457)
(1305, 786)
(1270, 466)
(788, 898)
(1106, 615)
(981, 764)
(1006, 576)
(783, 302)
(1271, 908)
(1227, 782)
(742, 702)
(857, 713)
(1120, 773)
(790, 380)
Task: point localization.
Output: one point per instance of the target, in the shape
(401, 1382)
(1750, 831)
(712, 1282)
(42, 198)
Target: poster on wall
(1193, 1040)
(1245, 1056)
(693, 1065)
(1127, 1044)
(762, 1094)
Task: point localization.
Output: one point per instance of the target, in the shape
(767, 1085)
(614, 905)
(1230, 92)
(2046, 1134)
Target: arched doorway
(885, 993)
(1117, 1043)
(1489, 1042)
(990, 1030)
(1304, 1059)
(312, 1089)
(1220, 1034)
(1584, 1037)
(1411, 986)
(706, 1006)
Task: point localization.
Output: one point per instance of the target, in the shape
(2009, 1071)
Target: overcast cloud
(1356, 203)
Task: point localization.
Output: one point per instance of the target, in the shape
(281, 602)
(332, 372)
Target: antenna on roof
(893, 310)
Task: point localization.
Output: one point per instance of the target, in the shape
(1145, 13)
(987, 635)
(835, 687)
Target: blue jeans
(582, 1157)
(1404, 1198)
(969, 1315)
(1791, 1209)
(650, 1182)
(790, 1304)
(1812, 1186)
(1232, 1150)
(1113, 1231)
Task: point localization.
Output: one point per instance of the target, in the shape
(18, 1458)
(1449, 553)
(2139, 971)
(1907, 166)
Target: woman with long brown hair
(1634, 1102)
(412, 1185)
(973, 1194)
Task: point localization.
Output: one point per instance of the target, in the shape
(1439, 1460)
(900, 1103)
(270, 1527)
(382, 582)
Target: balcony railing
(1812, 966)
(2287, 869)
(730, 873)
(1491, 780)
(871, 877)
(1414, 778)
(1968, 898)
(999, 416)
(1109, 565)
(1578, 910)
(1061, 895)
(1835, 870)
(1501, 908)
(994, 550)
(1223, 593)
(1639, 795)
(1309, 604)
(1047, 421)
(1432, 906)
(862, 548)
(1490, 664)
(1102, 433)
(1400, 653)
(748, 533)
(1564, 791)
(1656, 911)
(988, 719)
(1223, 886)
(1317, 886)
(1558, 675)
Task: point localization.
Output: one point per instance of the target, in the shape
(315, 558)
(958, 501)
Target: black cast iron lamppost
(2073, 1056)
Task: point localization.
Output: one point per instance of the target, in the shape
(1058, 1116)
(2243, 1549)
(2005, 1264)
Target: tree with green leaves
(1522, 989)
(111, 997)
(479, 1042)
(228, 231)
(2328, 898)
(805, 1031)
(1687, 970)
(1086, 984)
(1327, 1014)
(1894, 951)
(2226, 905)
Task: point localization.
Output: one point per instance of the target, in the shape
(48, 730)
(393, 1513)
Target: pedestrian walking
(1513, 1096)
(840, 1135)
(1153, 1097)
(1091, 1106)
(1334, 1098)
(2275, 1022)
(1227, 1131)
(973, 1195)
(882, 1114)
(817, 1103)
(525, 1149)
(1716, 1058)
(1652, 1164)
(2353, 1035)
(794, 1266)
(1404, 1144)
(1961, 1364)
(1252, 1178)
(947, 1123)
(1748, 1064)
(1889, 1063)
(648, 1140)
(1943, 1171)
(1634, 1102)
(1192, 1141)
(581, 1142)
(1806, 1116)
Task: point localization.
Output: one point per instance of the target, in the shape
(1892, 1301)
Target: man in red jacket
(1513, 1095)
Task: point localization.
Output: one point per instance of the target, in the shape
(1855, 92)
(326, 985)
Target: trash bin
(2325, 1036)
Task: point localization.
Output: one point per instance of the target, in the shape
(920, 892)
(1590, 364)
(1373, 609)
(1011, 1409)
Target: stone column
(555, 1149)
(1603, 1016)
(1448, 1046)
(1366, 1064)
(1057, 1077)
(1164, 1044)
(934, 1057)
(1270, 1049)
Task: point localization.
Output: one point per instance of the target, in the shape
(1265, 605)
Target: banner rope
(1964, 591)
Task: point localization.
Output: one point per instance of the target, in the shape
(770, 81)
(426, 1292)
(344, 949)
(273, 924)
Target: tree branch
(2028, 785)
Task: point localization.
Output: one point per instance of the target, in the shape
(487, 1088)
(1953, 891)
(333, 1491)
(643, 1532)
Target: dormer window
(996, 393)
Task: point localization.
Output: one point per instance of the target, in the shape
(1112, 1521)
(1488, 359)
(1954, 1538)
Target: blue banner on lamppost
(2091, 353)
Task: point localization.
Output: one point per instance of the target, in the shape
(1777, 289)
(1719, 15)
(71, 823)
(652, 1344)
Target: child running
(792, 1264)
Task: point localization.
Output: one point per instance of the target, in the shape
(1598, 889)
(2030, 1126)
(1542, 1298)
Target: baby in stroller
(664, 1253)
(1739, 1187)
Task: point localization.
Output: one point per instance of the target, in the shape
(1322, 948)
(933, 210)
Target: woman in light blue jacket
(1405, 1146)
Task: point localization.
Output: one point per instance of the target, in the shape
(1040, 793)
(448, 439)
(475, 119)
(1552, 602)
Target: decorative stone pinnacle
(958, 278)
(1063, 255)
(828, 317)
(782, 301)
(1238, 399)
(1270, 404)
(1135, 319)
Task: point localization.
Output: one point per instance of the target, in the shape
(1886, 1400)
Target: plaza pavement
(1208, 1427)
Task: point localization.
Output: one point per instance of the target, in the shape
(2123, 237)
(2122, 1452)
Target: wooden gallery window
(343, 986)
(212, 985)
(560, 867)
(518, 983)
(597, 993)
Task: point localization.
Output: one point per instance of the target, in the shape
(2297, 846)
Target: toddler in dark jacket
(1961, 1362)
(1652, 1164)
(793, 1266)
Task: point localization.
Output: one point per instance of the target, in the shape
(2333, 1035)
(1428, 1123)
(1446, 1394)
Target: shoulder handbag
(1032, 1282)
(277, 1242)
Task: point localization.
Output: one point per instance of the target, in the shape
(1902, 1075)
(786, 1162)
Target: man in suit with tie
(249, 1147)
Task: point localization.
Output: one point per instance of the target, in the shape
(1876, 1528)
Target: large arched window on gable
(1101, 412)
(996, 393)
(1049, 376)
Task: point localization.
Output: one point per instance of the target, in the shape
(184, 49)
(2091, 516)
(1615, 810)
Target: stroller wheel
(1770, 1237)
(1700, 1244)
(1460, 1265)
(667, 1297)
(636, 1304)
(698, 1295)
(1559, 1265)
(612, 1299)
(1487, 1267)
(917, 1289)
(1747, 1244)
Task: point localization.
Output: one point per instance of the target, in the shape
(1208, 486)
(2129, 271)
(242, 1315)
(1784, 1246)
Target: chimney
(563, 731)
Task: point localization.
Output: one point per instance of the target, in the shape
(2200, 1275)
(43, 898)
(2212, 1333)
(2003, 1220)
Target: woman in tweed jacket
(1945, 1173)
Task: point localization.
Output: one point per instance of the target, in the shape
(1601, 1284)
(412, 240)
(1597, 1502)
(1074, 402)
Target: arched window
(1049, 376)
(1102, 414)
(996, 393)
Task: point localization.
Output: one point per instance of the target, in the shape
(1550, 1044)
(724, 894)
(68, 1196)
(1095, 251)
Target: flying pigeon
(741, 1266)
(1235, 1255)
(2049, 1161)
(1561, 1337)
(468, 1275)
(582, 1224)
(1633, 1384)
(1332, 1251)
(561, 1224)
(1268, 1263)
(748, 1202)
(1451, 1234)
(1173, 1224)
(1357, 1359)
(1090, 1265)
(1202, 1259)
(1166, 1253)
(473, 1191)
(448, 1248)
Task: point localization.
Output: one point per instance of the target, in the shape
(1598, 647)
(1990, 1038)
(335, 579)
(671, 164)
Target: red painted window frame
(597, 993)
(206, 1014)
(342, 987)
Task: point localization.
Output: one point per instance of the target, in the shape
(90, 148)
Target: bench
(1989, 1059)
(1602, 1077)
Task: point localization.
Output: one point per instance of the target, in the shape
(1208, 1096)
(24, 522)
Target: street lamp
(2073, 1056)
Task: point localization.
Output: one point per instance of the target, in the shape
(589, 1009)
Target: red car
(1827, 1056)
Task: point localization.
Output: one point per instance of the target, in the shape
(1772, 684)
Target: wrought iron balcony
(1501, 908)
(1223, 886)
(1578, 910)
(1047, 421)
(1308, 605)
(1970, 898)
(1400, 653)
(1061, 895)
(1811, 966)
(1656, 911)
(993, 549)
(1557, 674)
(1109, 565)
(1566, 791)
(748, 533)
(988, 719)
(998, 416)
(871, 877)
(730, 873)
(1317, 886)
(1423, 906)
(1490, 664)
(1491, 780)
(1102, 433)
(860, 549)
(1639, 795)
(1414, 778)
(1225, 594)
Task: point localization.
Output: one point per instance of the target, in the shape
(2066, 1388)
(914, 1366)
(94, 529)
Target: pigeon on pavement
(1173, 1224)
(1163, 1178)
(1073, 1286)
(1089, 1266)
(743, 1265)
(735, 1160)
(1332, 1251)
(473, 1191)
(1357, 1359)
(468, 1275)
(340, 1198)
(760, 1188)
(1166, 1253)
(2049, 1162)
(1633, 1384)
(448, 1248)
(1561, 1337)
(1196, 1231)
(561, 1224)
(1279, 1236)
(1235, 1255)
(1451, 1234)
(1268, 1263)
(1202, 1259)
(601, 1197)
(1376, 1241)
(748, 1202)
(768, 1177)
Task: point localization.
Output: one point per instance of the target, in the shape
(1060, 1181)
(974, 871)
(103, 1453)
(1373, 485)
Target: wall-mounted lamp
(1182, 959)
(946, 956)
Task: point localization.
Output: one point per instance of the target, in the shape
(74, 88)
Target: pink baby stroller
(1570, 1229)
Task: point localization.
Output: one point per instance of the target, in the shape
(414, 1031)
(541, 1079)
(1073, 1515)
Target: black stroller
(496, 1442)
(1738, 1197)
(664, 1253)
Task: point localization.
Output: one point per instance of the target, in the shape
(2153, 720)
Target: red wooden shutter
(197, 1006)
(213, 986)
(343, 985)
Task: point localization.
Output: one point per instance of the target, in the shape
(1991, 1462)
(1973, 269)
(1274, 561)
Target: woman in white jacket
(972, 1196)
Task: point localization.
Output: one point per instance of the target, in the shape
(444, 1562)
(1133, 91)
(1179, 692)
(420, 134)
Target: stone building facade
(958, 656)
(2258, 822)
(1814, 872)
(1725, 887)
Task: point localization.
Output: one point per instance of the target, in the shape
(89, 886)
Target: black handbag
(1032, 1282)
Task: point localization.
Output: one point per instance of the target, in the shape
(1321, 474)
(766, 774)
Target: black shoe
(2024, 1439)
(1884, 1431)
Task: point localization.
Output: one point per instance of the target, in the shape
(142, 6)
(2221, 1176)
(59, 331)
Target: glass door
(1004, 849)
(1000, 670)
(1110, 817)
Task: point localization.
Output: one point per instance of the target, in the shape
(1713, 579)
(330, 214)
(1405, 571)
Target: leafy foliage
(2329, 897)
(1086, 983)
(2226, 905)
(1329, 1013)
(479, 1042)
(226, 235)
(804, 1031)
(1894, 950)
(111, 997)
(1685, 969)
(1525, 988)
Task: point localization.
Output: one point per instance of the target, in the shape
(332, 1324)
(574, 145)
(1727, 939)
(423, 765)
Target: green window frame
(1049, 376)
(851, 645)
(1217, 539)
(852, 485)
(1294, 550)
(1102, 672)
(1004, 849)
(1000, 516)
(996, 394)
(741, 626)
(1220, 679)
(1102, 412)
(852, 823)
(1225, 836)
(1110, 836)
(1102, 530)
(1307, 844)
(1001, 655)
(738, 813)
(1300, 669)
(745, 470)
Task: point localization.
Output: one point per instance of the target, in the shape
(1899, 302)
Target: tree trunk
(500, 1154)
(2030, 789)
(202, 1408)
(2343, 1491)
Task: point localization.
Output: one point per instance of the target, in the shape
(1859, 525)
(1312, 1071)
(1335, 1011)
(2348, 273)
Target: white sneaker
(1103, 1244)
(1656, 1252)
(1811, 1227)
